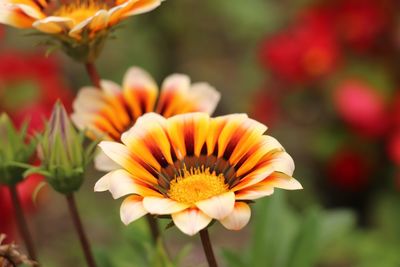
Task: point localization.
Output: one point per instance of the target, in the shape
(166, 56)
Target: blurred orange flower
(72, 18)
(196, 169)
(109, 112)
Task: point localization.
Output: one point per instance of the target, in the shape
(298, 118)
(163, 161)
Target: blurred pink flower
(305, 51)
(361, 107)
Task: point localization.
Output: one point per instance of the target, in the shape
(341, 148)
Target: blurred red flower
(361, 107)
(29, 86)
(304, 52)
(348, 170)
(361, 22)
(265, 107)
(393, 148)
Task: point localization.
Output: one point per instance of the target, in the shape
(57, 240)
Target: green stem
(93, 74)
(21, 221)
(79, 229)
(207, 246)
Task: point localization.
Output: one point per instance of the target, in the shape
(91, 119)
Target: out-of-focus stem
(81, 232)
(153, 225)
(21, 221)
(93, 74)
(208, 250)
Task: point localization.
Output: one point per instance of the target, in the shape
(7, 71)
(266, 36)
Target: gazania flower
(196, 169)
(109, 112)
(71, 18)
(73, 21)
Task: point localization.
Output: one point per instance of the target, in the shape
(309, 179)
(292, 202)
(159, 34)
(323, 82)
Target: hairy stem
(153, 225)
(79, 229)
(208, 250)
(93, 74)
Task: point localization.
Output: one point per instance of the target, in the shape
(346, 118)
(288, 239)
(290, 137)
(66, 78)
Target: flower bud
(64, 158)
(15, 151)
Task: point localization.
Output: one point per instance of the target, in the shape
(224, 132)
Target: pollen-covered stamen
(196, 184)
(79, 10)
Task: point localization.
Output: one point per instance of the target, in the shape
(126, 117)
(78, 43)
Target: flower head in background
(81, 25)
(349, 169)
(196, 169)
(64, 160)
(361, 107)
(304, 52)
(109, 112)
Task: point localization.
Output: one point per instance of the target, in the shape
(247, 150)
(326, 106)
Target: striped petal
(218, 207)
(172, 96)
(121, 155)
(149, 141)
(238, 218)
(122, 183)
(162, 206)
(140, 91)
(188, 133)
(191, 221)
(132, 209)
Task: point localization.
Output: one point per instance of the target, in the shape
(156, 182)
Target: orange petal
(53, 25)
(140, 91)
(122, 183)
(121, 155)
(266, 145)
(191, 221)
(188, 133)
(132, 209)
(162, 206)
(218, 207)
(238, 218)
(172, 96)
(148, 140)
(141, 6)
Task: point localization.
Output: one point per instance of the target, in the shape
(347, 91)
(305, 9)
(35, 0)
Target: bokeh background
(323, 75)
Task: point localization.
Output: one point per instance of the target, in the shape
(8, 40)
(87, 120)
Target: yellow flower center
(79, 10)
(196, 184)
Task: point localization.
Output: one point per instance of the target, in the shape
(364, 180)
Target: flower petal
(163, 206)
(141, 6)
(104, 163)
(172, 96)
(218, 207)
(238, 218)
(121, 183)
(191, 221)
(204, 97)
(53, 24)
(140, 91)
(132, 209)
(121, 155)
